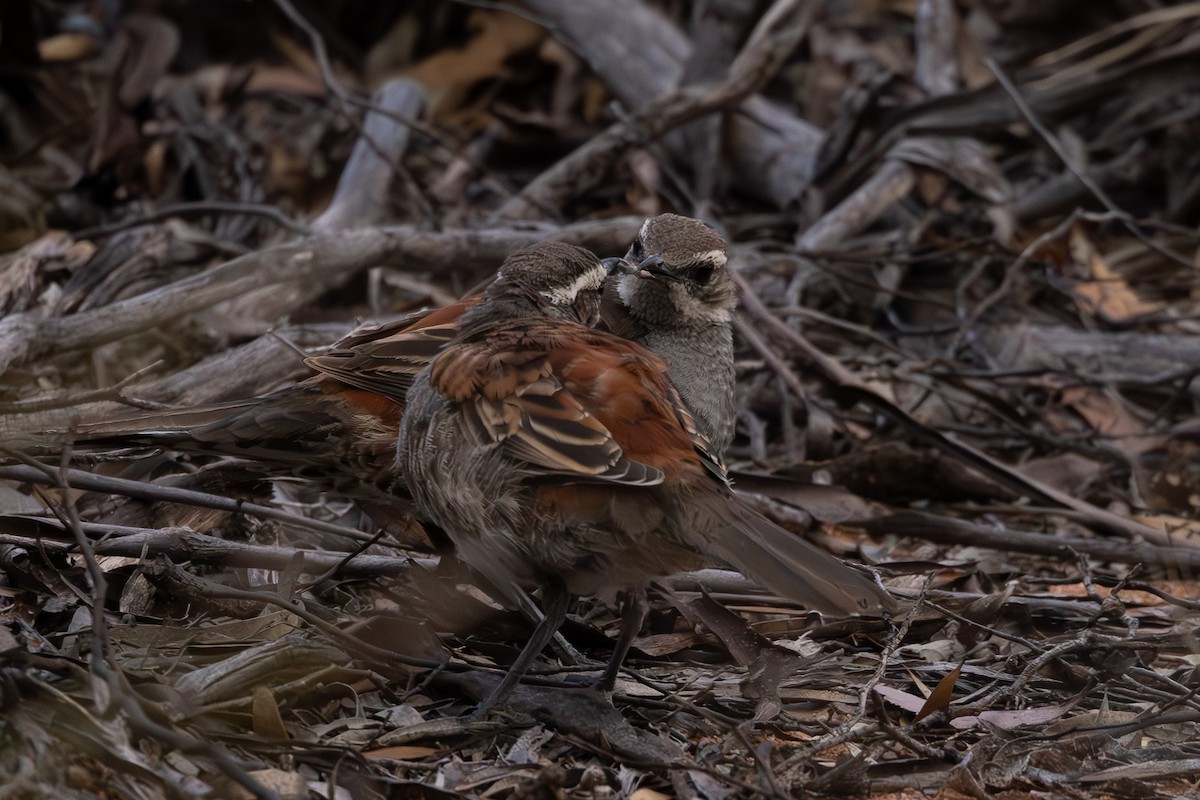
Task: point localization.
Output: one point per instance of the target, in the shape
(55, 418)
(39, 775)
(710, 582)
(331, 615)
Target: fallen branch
(758, 62)
(946, 530)
(78, 479)
(640, 55)
(184, 544)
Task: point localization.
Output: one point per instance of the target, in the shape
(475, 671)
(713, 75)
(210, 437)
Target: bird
(560, 456)
(338, 427)
(673, 293)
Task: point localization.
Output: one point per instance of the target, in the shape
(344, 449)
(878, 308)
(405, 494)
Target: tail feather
(725, 528)
(155, 427)
(285, 429)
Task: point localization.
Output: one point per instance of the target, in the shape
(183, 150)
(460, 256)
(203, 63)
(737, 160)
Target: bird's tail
(165, 427)
(287, 429)
(725, 528)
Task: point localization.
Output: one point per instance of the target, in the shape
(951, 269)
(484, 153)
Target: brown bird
(674, 294)
(557, 455)
(339, 426)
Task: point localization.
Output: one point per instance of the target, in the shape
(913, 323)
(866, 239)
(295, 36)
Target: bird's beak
(612, 264)
(652, 266)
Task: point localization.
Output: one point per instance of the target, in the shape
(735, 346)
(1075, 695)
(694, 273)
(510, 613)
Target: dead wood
(1120, 356)
(362, 190)
(951, 531)
(183, 544)
(965, 235)
(641, 56)
(763, 54)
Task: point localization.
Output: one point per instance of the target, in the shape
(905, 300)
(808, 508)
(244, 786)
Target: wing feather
(385, 358)
(508, 390)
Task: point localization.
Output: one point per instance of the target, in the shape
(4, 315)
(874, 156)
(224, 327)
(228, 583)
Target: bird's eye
(702, 274)
(637, 249)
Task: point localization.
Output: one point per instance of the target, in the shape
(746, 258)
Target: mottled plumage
(558, 455)
(340, 425)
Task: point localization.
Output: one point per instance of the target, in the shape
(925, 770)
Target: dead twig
(846, 382)
(362, 190)
(37, 473)
(1079, 172)
(762, 56)
(69, 399)
(117, 690)
(947, 530)
(201, 208)
(640, 55)
(185, 544)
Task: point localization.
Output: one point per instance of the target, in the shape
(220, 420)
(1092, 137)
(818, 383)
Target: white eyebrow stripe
(591, 279)
(717, 257)
(645, 227)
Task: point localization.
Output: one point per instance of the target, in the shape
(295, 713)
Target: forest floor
(966, 236)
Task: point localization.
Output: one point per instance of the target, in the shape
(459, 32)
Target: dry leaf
(288, 785)
(1106, 294)
(649, 794)
(939, 699)
(902, 699)
(1010, 720)
(498, 35)
(265, 712)
(1176, 526)
(404, 752)
(450, 72)
(67, 47)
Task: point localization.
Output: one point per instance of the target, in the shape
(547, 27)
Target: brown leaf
(939, 699)
(284, 80)
(498, 35)
(1110, 416)
(405, 752)
(67, 47)
(265, 713)
(1107, 294)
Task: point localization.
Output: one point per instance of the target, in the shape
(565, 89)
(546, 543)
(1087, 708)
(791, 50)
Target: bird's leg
(554, 607)
(634, 607)
(534, 614)
(497, 582)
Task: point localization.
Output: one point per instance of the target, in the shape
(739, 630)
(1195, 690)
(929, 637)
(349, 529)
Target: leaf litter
(966, 238)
